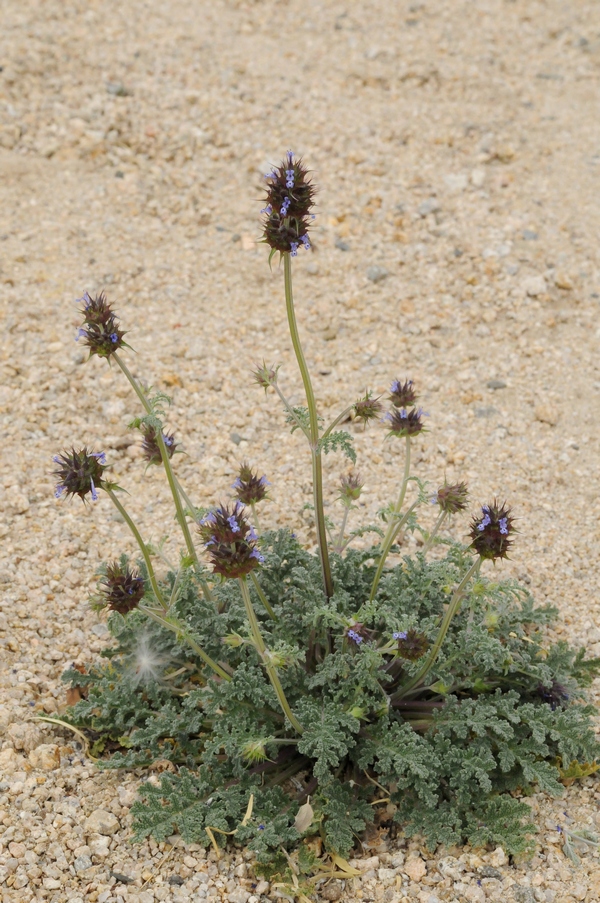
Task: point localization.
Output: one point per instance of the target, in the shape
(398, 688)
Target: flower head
(412, 644)
(403, 395)
(358, 633)
(405, 423)
(249, 487)
(231, 542)
(367, 408)
(288, 206)
(121, 587)
(350, 489)
(265, 376)
(452, 497)
(150, 447)
(490, 533)
(79, 473)
(555, 695)
(100, 329)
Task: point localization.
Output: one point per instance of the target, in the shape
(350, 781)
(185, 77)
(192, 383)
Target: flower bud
(250, 488)
(100, 329)
(121, 588)
(367, 408)
(150, 448)
(79, 473)
(350, 489)
(266, 376)
(490, 533)
(231, 542)
(288, 206)
(405, 423)
(452, 497)
(403, 395)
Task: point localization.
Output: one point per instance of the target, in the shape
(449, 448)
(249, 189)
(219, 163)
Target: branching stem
(142, 546)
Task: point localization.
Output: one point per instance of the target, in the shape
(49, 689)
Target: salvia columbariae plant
(303, 693)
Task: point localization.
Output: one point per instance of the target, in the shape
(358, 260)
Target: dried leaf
(304, 817)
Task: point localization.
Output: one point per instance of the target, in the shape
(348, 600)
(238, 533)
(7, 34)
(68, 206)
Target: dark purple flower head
(265, 376)
(150, 448)
(231, 542)
(490, 533)
(288, 206)
(367, 408)
(452, 497)
(358, 633)
(405, 423)
(100, 330)
(249, 487)
(350, 489)
(121, 588)
(412, 644)
(403, 395)
(555, 695)
(79, 473)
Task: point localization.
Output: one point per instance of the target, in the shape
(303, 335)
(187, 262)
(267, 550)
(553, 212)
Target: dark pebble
(496, 384)
(176, 880)
(342, 245)
(236, 438)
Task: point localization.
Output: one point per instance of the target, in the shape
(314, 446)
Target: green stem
(452, 609)
(393, 526)
(173, 485)
(265, 656)
(262, 596)
(176, 582)
(339, 545)
(314, 429)
(339, 419)
(142, 545)
(181, 631)
(255, 516)
(291, 411)
(436, 528)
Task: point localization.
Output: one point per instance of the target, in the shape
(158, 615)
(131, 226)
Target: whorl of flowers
(249, 487)
(351, 487)
(452, 497)
(265, 376)
(150, 448)
(403, 395)
(490, 533)
(405, 423)
(231, 542)
(288, 206)
(367, 408)
(100, 330)
(79, 473)
(121, 587)
(412, 644)
(555, 695)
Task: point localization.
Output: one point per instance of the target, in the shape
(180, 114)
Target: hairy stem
(339, 419)
(255, 517)
(393, 525)
(182, 632)
(314, 429)
(339, 544)
(452, 609)
(265, 656)
(262, 596)
(436, 528)
(142, 546)
(291, 411)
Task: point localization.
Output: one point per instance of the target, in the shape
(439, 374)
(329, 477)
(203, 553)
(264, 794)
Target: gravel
(454, 151)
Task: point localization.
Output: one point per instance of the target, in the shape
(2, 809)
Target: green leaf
(339, 441)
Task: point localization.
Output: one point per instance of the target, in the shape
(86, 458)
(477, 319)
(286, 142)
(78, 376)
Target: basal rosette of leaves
(451, 757)
(295, 694)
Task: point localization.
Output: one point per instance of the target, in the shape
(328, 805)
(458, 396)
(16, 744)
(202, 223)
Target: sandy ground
(457, 150)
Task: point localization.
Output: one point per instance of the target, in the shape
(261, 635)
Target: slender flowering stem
(266, 658)
(142, 545)
(314, 429)
(436, 528)
(393, 526)
(452, 609)
(291, 411)
(339, 544)
(339, 419)
(173, 485)
(176, 582)
(181, 631)
(255, 517)
(262, 596)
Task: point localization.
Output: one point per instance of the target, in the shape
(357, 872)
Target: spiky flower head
(367, 408)
(350, 489)
(266, 376)
(403, 395)
(412, 644)
(79, 473)
(249, 487)
(490, 533)
(150, 447)
(288, 206)
(100, 330)
(452, 497)
(405, 423)
(555, 695)
(121, 588)
(230, 541)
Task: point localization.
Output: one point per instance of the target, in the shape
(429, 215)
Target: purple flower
(79, 473)
(233, 524)
(490, 533)
(231, 541)
(400, 636)
(355, 637)
(294, 247)
(402, 395)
